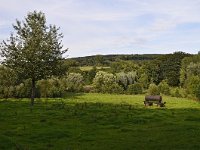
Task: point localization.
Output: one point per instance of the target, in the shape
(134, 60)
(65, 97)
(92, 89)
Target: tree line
(33, 66)
(173, 74)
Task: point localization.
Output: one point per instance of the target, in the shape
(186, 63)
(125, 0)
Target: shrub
(144, 80)
(126, 79)
(135, 88)
(153, 89)
(106, 83)
(122, 79)
(178, 92)
(24, 89)
(182, 92)
(74, 82)
(132, 77)
(88, 88)
(7, 92)
(164, 88)
(197, 92)
(89, 75)
(43, 86)
(50, 88)
(192, 85)
(112, 88)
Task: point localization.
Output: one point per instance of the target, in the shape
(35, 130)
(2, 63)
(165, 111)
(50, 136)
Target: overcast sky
(93, 27)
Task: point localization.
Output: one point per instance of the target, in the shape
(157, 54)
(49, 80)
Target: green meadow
(99, 122)
(88, 68)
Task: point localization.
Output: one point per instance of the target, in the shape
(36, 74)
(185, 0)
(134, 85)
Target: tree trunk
(32, 92)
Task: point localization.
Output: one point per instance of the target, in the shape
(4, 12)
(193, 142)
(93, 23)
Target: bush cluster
(53, 87)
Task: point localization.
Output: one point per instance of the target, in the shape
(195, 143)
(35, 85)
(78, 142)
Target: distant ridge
(107, 59)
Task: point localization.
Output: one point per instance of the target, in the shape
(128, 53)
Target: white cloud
(101, 26)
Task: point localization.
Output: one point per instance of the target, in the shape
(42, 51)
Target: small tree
(89, 75)
(132, 77)
(193, 86)
(164, 87)
(153, 89)
(135, 88)
(35, 51)
(44, 88)
(74, 82)
(106, 83)
(122, 79)
(144, 80)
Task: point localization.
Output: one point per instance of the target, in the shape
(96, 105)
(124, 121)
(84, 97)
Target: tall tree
(34, 49)
(166, 67)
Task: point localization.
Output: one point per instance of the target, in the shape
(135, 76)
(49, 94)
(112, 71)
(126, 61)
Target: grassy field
(99, 122)
(88, 68)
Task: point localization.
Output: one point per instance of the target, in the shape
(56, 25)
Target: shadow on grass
(71, 95)
(57, 125)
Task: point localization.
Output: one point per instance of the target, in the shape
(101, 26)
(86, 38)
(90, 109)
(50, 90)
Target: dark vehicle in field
(154, 99)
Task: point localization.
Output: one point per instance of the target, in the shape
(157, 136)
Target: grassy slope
(103, 122)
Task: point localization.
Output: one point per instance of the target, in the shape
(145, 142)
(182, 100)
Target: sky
(99, 27)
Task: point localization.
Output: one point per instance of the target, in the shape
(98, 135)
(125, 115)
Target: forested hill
(106, 59)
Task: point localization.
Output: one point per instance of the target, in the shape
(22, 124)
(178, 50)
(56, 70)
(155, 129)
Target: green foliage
(135, 88)
(166, 67)
(8, 80)
(52, 87)
(71, 63)
(189, 67)
(27, 88)
(89, 75)
(164, 88)
(74, 82)
(182, 76)
(123, 66)
(106, 83)
(125, 79)
(197, 92)
(44, 87)
(193, 69)
(88, 88)
(144, 81)
(74, 70)
(171, 65)
(122, 80)
(152, 70)
(55, 87)
(34, 50)
(132, 77)
(153, 89)
(175, 92)
(6, 92)
(99, 59)
(107, 60)
(192, 86)
(23, 90)
(19, 91)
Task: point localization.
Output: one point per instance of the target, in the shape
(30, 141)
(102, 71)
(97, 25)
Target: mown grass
(88, 68)
(99, 121)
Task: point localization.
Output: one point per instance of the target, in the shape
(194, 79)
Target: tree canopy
(34, 49)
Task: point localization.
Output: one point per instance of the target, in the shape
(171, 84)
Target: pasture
(99, 121)
(88, 68)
